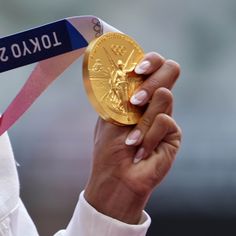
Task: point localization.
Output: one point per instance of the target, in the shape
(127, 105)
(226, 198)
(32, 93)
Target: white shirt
(86, 221)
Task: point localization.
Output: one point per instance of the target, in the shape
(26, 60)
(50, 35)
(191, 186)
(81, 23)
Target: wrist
(112, 198)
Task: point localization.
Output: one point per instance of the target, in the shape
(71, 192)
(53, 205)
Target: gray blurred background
(53, 140)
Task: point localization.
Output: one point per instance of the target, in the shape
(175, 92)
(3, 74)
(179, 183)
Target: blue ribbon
(39, 44)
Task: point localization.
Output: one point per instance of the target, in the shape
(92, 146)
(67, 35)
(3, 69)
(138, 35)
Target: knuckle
(145, 121)
(156, 95)
(174, 67)
(175, 139)
(163, 94)
(156, 56)
(151, 84)
(161, 119)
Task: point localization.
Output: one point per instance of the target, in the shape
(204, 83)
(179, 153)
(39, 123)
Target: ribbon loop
(56, 46)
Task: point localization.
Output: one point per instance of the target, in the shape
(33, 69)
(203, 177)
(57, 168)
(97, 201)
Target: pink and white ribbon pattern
(61, 43)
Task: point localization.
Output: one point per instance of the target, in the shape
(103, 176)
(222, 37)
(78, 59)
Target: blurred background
(53, 140)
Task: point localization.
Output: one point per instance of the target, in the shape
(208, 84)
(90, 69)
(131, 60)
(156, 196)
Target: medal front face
(109, 78)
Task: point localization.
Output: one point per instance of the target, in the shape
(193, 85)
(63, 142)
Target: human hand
(129, 161)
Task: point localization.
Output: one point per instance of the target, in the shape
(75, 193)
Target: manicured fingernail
(142, 67)
(133, 137)
(139, 155)
(138, 97)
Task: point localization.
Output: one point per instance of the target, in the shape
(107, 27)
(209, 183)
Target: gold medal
(109, 78)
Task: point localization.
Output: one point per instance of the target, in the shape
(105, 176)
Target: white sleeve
(87, 221)
(20, 222)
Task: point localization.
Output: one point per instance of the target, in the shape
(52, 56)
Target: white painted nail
(142, 67)
(139, 156)
(138, 97)
(133, 137)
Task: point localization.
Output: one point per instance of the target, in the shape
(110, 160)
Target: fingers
(162, 128)
(164, 134)
(164, 154)
(163, 73)
(109, 131)
(162, 102)
(150, 63)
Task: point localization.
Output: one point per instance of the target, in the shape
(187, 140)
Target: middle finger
(162, 102)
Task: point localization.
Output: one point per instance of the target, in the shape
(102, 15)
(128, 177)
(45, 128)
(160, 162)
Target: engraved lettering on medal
(3, 56)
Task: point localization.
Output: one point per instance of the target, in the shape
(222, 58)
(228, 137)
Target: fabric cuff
(90, 222)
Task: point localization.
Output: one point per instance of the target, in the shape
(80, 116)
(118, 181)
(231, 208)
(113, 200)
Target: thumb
(109, 131)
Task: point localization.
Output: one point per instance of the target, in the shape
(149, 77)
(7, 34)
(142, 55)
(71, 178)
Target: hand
(130, 161)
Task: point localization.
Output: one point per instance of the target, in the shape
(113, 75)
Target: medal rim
(88, 85)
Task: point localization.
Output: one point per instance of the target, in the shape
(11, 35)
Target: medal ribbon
(55, 46)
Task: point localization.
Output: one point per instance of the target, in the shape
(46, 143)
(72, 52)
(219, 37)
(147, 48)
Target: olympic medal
(109, 77)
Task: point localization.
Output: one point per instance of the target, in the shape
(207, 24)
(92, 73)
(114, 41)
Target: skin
(117, 186)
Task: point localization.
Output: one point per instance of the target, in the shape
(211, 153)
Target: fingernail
(139, 155)
(139, 97)
(133, 137)
(142, 67)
